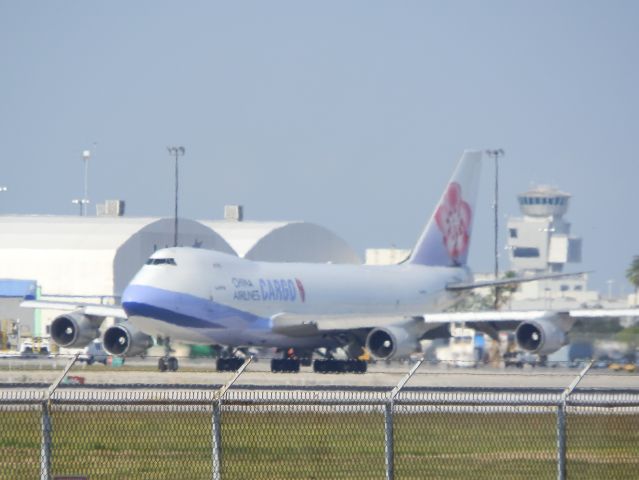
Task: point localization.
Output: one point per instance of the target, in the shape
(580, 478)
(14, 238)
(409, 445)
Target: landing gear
(330, 365)
(227, 361)
(167, 362)
(230, 364)
(285, 365)
(290, 361)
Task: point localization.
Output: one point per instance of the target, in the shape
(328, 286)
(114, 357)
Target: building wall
(303, 242)
(61, 272)
(386, 256)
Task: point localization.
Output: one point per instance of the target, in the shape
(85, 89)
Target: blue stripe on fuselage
(186, 310)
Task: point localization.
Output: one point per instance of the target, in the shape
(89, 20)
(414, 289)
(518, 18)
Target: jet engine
(542, 336)
(391, 342)
(75, 329)
(126, 340)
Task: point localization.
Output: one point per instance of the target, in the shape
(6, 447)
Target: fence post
(561, 440)
(45, 423)
(389, 446)
(389, 434)
(217, 439)
(45, 443)
(216, 424)
(561, 423)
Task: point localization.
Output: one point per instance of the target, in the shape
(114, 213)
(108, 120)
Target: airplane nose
(127, 295)
(131, 300)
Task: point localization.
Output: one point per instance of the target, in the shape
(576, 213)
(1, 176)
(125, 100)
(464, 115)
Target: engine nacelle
(543, 336)
(126, 340)
(391, 342)
(75, 330)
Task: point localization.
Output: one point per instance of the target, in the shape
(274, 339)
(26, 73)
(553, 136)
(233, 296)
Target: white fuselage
(203, 296)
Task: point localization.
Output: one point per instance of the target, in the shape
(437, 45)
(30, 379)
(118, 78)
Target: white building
(386, 256)
(540, 242)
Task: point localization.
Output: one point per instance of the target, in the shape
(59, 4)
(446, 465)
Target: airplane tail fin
(446, 239)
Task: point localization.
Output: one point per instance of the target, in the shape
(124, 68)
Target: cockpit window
(161, 261)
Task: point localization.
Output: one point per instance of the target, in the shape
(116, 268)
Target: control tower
(540, 241)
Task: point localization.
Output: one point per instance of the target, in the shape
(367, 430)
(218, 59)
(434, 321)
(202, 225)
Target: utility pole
(84, 201)
(176, 152)
(86, 156)
(495, 154)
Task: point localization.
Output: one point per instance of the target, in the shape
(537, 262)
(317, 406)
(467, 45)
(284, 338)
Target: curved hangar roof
(284, 241)
(98, 256)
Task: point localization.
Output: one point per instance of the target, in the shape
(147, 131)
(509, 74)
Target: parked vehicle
(94, 352)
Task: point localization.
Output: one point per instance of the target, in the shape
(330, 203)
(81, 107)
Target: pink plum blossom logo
(453, 219)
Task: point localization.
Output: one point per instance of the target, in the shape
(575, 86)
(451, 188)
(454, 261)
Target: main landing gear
(227, 361)
(167, 362)
(285, 365)
(331, 365)
(230, 364)
(290, 363)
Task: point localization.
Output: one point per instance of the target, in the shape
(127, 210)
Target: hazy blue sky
(350, 114)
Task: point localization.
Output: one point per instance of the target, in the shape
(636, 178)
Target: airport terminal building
(94, 258)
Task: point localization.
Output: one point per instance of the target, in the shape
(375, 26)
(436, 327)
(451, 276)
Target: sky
(349, 114)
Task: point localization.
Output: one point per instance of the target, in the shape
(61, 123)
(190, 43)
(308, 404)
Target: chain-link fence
(293, 432)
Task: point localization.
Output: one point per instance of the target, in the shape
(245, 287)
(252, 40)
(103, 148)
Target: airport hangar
(93, 258)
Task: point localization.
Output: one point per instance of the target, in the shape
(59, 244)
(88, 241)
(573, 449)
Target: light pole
(496, 153)
(176, 152)
(81, 202)
(86, 156)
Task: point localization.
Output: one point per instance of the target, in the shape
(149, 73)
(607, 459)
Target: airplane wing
(92, 309)
(508, 281)
(302, 325)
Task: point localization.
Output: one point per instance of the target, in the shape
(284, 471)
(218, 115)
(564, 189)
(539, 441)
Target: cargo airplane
(201, 296)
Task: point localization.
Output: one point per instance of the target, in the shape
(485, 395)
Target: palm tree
(632, 274)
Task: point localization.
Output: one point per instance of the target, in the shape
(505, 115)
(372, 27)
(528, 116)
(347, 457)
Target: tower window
(525, 252)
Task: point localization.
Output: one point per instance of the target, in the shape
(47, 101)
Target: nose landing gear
(167, 362)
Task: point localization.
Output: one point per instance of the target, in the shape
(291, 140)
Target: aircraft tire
(162, 365)
(329, 366)
(172, 364)
(356, 366)
(339, 366)
(231, 364)
(285, 365)
(222, 365)
(318, 366)
(236, 363)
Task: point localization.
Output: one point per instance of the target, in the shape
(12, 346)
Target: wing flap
(487, 316)
(307, 325)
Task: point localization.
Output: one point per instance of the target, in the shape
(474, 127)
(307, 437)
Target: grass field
(321, 444)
